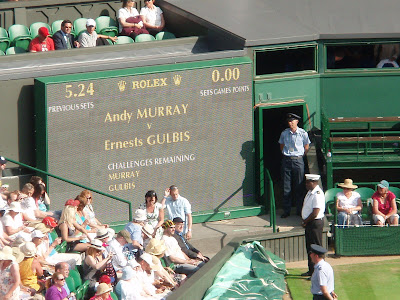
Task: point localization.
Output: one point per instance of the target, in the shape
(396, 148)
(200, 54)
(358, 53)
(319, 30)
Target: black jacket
(191, 252)
(59, 41)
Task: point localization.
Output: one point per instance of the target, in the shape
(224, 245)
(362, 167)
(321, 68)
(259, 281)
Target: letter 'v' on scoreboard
(125, 132)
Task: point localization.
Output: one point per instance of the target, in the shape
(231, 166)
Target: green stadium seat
(330, 203)
(144, 38)
(70, 283)
(74, 274)
(395, 190)
(53, 235)
(124, 40)
(107, 26)
(164, 35)
(113, 296)
(79, 26)
(35, 27)
(15, 50)
(4, 39)
(56, 26)
(366, 211)
(365, 193)
(19, 36)
(2, 53)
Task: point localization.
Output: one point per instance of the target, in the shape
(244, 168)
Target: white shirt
(351, 202)
(119, 260)
(178, 208)
(152, 16)
(14, 223)
(124, 13)
(173, 247)
(28, 205)
(314, 199)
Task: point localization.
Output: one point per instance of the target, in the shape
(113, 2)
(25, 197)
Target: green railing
(272, 213)
(74, 183)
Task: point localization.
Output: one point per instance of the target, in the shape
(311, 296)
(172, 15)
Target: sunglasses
(61, 278)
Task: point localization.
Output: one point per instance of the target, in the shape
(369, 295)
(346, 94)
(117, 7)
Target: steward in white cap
(313, 215)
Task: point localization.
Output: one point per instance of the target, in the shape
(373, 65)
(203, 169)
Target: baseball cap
(72, 202)
(178, 220)
(126, 235)
(43, 31)
(49, 221)
(90, 22)
(383, 184)
(37, 234)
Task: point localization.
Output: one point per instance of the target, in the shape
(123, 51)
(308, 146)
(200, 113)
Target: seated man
(116, 246)
(30, 211)
(183, 264)
(63, 39)
(348, 204)
(186, 247)
(90, 38)
(42, 42)
(384, 208)
(135, 228)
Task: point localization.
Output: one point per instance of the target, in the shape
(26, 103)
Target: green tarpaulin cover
(251, 273)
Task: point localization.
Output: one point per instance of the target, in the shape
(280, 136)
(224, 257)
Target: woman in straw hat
(103, 292)
(9, 275)
(30, 268)
(348, 204)
(94, 263)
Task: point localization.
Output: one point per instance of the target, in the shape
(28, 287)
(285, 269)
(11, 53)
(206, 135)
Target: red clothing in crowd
(37, 46)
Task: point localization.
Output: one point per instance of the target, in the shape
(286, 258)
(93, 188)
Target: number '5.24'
(81, 90)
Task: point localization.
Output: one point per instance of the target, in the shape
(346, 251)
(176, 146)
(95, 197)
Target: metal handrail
(75, 183)
(272, 215)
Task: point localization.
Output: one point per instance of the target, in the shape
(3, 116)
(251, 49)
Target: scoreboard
(125, 132)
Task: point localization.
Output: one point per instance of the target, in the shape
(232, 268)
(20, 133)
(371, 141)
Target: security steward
(322, 280)
(294, 144)
(313, 215)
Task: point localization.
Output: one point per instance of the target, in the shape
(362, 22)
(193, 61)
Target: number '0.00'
(228, 75)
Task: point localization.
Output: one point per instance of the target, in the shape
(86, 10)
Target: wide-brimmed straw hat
(28, 249)
(7, 253)
(148, 230)
(97, 244)
(140, 215)
(156, 247)
(103, 288)
(103, 233)
(348, 184)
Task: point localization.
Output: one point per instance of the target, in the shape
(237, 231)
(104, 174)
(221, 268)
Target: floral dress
(6, 281)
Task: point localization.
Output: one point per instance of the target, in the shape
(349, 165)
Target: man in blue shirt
(294, 144)
(322, 280)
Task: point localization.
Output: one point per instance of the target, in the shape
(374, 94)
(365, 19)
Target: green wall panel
(361, 95)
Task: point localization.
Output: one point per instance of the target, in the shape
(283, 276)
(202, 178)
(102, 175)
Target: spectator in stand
(63, 39)
(3, 163)
(183, 264)
(116, 245)
(9, 275)
(68, 227)
(387, 54)
(177, 206)
(384, 208)
(130, 22)
(90, 38)
(94, 264)
(81, 217)
(88, 210)
(63, 268)
(135, 228)
(186, 247)
(348, 204)
(42, 42)
(56, 291)
(103, 292)
(30, 204)
(152, 17)
(13, 225)
(42, 200)
(154, 212)
(30, 268)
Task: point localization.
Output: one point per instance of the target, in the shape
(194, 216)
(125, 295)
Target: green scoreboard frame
(127, 131)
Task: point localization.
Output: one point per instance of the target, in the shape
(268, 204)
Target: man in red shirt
(42, 42)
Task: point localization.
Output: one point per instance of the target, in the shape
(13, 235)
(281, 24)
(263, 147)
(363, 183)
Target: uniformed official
(312, 215)
(294, 144)
(322, 280)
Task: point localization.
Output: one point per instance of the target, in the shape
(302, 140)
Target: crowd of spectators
(147, 259)
(130, 23)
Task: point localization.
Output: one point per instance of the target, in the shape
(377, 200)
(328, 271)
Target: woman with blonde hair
(89, 212)
(68, 227)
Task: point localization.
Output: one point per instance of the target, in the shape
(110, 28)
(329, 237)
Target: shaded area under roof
(266, 22)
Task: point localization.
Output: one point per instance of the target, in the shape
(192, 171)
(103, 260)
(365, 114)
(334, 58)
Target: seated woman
(130, 22)
(42, 200)
(9, 275)
(68, 227)
(30, 268)
(348, 204)
(154, 213)
(89, 212)
(152, 17)
(94, 263)
(82, 218)
(56, 290)
(384, 208)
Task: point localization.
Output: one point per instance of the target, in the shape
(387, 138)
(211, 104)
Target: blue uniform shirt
(294, 142)
(323, 275)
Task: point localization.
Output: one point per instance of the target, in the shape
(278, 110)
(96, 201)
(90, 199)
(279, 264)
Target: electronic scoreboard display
(128, 132)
